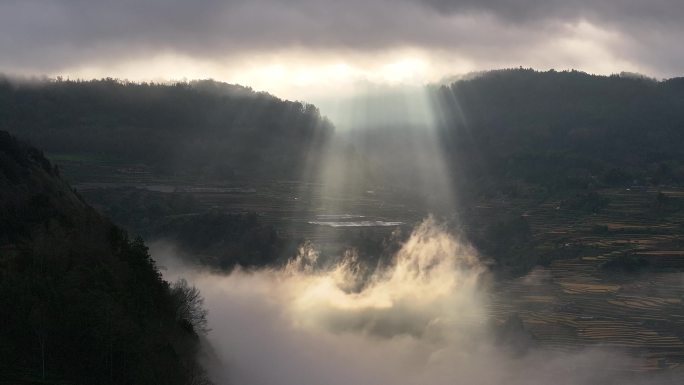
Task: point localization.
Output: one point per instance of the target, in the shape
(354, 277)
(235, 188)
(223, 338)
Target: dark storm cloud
(41, 35)
(617, 11)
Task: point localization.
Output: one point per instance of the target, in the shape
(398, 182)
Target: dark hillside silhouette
(79, 301)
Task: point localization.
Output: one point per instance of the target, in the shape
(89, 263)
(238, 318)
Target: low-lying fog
(420, 321)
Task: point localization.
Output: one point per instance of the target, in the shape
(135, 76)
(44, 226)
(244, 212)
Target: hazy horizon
(302, 48)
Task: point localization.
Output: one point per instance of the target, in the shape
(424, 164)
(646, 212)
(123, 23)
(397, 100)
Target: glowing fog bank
(430, 289)
(422, 320)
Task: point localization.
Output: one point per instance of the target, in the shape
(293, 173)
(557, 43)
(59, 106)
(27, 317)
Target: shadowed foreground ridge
(79, 301)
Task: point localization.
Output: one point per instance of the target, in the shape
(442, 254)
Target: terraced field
(578, 302)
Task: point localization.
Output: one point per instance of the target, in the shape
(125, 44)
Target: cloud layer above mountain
(318, 41)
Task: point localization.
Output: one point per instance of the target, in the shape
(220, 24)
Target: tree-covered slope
(79, 301)
(565, 129)
(202, 128)
(541, 161)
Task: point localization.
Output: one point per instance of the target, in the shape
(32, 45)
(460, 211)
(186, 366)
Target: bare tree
(190, 306)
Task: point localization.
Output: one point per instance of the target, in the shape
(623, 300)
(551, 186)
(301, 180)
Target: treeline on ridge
(203, 128)
(564, 129)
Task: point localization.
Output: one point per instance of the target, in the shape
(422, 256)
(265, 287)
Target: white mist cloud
(422, 320)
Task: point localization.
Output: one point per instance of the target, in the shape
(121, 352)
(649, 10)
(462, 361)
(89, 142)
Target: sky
(300, 48)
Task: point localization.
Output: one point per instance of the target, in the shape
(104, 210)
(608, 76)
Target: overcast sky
(295, 47)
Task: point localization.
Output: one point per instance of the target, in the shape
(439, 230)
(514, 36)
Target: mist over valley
(379, 192)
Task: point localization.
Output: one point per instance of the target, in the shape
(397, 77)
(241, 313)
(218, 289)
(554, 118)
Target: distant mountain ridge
(202, 128)
(565, 128)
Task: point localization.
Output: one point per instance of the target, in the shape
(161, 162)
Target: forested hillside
(80, 302)
(542, 161)
(214, 237)
(510, 142)
(564, 129)
(526, 151)
(202, 128)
